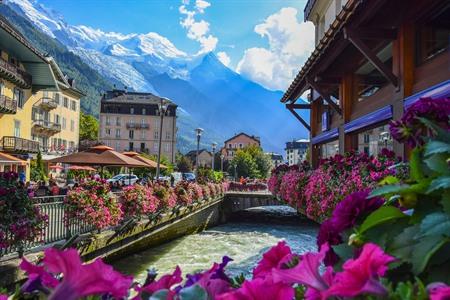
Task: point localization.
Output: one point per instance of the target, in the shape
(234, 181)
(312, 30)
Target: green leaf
(438, 163)
(389, 189)
(402, 246)
(434, 147)
(442, 182)
(194, 292)
(435, 224)
(441, 134)
(424, 249)
(344, 251)
(389, 180)
(415, 164)
(381, 215)
(159, 295)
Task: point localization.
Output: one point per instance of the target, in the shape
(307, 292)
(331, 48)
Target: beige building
(130, 121)
(204, 158)
(237, 142)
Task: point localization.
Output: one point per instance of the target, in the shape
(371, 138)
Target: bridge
(238, 201)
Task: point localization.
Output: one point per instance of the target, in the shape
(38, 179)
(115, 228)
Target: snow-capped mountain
(211, 95)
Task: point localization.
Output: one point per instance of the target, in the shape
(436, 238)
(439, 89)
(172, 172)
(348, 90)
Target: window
(373, 140)
(143, 111)
(156, 135)
(117, 133)
(155, 147)
(16, 128)
(1, 87)
(117, 121)
(131, 134)
(45, 94)
(107, 121)
(66, 102)
(142, 134)
(329, 149)
(240, 146)
(132, 110)
(143, 122)
(229, 145)
(157, 123)
(142, 147)
(19, 97)
(56, 118)
(72, 125)
(167, 135)
(131, 146)
(63, 123)
(167, 147)
(73, 105)
(56, 98)
(118, 146)
(107, 131)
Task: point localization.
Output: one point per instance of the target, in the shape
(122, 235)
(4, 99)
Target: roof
(255, 138)
(275, 156)
(8, 159)
(124, 96)
(193, 153)
(330, 35)
(64, 83)
(298, 144)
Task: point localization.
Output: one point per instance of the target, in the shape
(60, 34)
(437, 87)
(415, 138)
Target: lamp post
(198, 132)
(221, 162)
(214, 145)
(162, 109)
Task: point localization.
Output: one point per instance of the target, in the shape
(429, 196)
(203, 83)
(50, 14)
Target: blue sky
(239, 31)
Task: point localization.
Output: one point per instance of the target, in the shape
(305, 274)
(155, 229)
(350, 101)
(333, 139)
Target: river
(245, 238)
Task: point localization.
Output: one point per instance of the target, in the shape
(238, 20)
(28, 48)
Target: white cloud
(224, 58)
(198, 30)
(290, 43)
(201, 5)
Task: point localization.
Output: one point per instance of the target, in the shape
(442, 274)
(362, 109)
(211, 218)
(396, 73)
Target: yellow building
(29, 85)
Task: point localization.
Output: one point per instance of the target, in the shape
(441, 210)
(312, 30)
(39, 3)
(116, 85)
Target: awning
(325, 136)
(6, 159)
(437, 91)
(380, 115)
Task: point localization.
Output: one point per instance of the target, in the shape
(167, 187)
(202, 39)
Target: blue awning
(380, 115)
(325, 136)
(437, 91)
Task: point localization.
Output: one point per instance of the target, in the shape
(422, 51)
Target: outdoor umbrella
(56, 167)
(150, 163)
(99, 156)
(81, 168)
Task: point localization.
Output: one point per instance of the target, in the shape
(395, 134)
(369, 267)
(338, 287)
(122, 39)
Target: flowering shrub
(138, 200)
(93, 203)
(20, 220)
(256, 185)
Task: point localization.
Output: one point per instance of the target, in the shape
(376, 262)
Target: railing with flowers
(249, 186)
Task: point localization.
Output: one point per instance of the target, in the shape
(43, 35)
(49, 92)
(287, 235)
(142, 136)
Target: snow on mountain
(112, 67)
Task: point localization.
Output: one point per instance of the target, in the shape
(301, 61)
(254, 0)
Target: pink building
(237, 142)
(130, 121)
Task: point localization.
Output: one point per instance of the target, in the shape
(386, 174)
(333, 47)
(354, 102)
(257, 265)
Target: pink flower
(81, 280)
(260, 289)
(38, 277)
(3, 297)
(271, 259)
(361, 275)
(307, 272)
(166, 282)
(439, 291)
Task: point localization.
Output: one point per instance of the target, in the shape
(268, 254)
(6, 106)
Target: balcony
(19, 145)
(45, 127)
(138, 125)
(7, 105)
(14, 74)
(46, 103)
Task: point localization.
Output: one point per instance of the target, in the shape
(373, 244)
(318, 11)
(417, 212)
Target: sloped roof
(255, 138)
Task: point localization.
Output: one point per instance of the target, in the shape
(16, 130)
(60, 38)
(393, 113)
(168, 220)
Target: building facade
(204, 158)
(130, 121)
(372, 60)
(296, 151)
(26, 78)
(276, 159)
(237, 142)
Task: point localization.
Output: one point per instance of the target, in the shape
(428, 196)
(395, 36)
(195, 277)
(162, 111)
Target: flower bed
(388, 243)
(317, 192)
(252, 186)
(20, 220)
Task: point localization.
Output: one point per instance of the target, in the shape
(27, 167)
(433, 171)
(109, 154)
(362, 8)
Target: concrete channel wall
(145, 234)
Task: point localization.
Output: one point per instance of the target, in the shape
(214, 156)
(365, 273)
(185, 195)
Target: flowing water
(244, 239)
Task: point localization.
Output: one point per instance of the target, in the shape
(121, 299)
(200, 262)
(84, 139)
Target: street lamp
(198, 132)
(214, 145)
(163, 106)
(221, 162)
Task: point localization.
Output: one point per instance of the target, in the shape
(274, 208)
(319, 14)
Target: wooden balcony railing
(19, 145)
(7, 105)
(46, 103)
(14, 74)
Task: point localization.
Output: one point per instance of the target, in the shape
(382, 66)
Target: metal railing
(47, 103)
(131, 125)
(14, 74)
(47, 125)
(16, 144)
(7, 105)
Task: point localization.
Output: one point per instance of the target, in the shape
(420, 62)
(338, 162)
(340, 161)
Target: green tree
(184, 164)
(88, 127)
(164, 161)
(262, 160)
(37, 172)
(244, 165)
